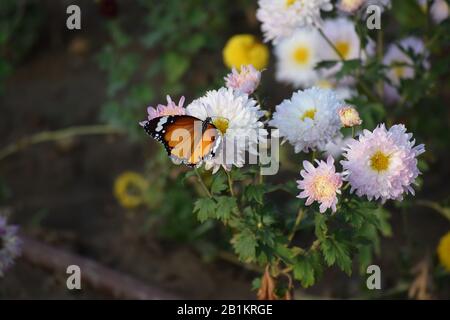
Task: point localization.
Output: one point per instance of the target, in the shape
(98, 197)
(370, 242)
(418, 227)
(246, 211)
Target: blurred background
(82, 180)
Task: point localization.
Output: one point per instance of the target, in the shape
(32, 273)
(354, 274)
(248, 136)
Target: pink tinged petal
(303, 194)
(308, 166)
(330, 161)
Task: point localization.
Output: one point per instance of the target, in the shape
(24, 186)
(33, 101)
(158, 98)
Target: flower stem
(230, 183)
(331, 44)
(202, 183)
(300, 215)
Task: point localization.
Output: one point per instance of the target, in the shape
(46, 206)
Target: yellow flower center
(221, 124)
(301, 55)
(290, 2)
(379, 161)
(343, 47)
(323, 188)
(399, 72)
(311, 113)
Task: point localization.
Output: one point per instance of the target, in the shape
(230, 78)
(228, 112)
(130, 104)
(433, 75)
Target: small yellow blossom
(130, 188)
(443, 251)
(245, 49)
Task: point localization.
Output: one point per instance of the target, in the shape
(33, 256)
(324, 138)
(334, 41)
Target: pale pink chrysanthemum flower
(171, 109)
(382, 164)
(321, 184)
(246, 81)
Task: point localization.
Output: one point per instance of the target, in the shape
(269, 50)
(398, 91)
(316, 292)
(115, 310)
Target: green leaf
(348, 66)
(307, 269)
(245, 244)
(205, 208)
(255, 193)
(337, 252)
(321, 228)
(326, 64)
(219, 184)
(304, 272)
(225, 206)
(383, 222)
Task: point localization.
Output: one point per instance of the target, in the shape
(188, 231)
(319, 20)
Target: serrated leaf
(308, 268)
(244, 243)
(225, 207)
(321, 228)
(337, 252)
(304, 271)
(205, 208)
(219, 184)
(255, 193)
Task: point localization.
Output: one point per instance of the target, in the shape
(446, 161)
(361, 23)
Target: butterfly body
(187, 139)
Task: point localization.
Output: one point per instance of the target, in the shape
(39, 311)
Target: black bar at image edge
(226, 309)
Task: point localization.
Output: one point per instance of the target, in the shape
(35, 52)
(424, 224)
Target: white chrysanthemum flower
(297, 57)
(341, 32)
(236, 116)
(280, 18)
(382, 164)
(439, 9)
(401, 64)
(309, 120)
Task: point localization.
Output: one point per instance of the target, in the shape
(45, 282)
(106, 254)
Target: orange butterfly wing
(186, 138)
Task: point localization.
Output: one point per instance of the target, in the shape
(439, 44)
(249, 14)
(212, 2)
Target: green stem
(62, 134)
(202, 183)
(300, 215)
(230, 183)
(331, 44)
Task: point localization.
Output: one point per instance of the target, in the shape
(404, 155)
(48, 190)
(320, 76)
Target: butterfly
(187, 139)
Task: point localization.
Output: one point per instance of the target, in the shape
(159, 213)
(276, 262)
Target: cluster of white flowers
(298, 55)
